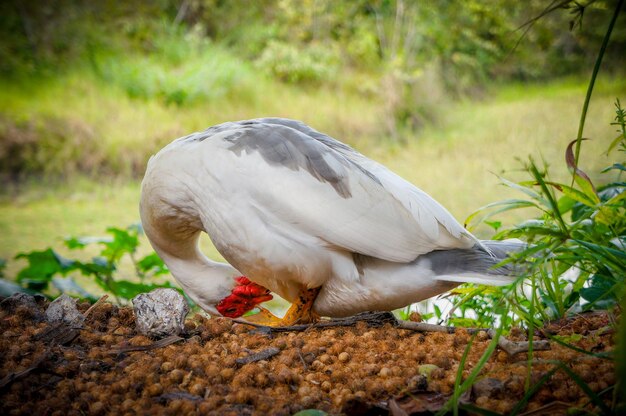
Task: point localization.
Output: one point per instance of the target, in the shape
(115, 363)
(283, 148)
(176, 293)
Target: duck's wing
(324, 188)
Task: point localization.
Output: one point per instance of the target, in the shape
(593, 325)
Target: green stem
(596, 68)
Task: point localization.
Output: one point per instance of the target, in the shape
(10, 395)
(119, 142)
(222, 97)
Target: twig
(513, 347)
(95, 305)
(378, 319)
(58, 333)
(11, 377)
(375, 319)
(258, 356)
(425, 327)
(178, 395)
(157, 344)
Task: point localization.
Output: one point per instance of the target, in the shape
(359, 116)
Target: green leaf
(615, 166)
(454, 400)
(437, 311)
(97, 266)
(600, 293)
(494, 224)
(525, 189)
(587, 187)
(3, 265)
(42, 265)
(608, 255)
(504, 206)
(551, 203)
(152, 263)
(565, 204)
(531, 228)
(614, 143)
(609, 212)
(123, 242)
(577, 195)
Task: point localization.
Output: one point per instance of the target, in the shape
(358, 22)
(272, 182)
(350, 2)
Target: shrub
(577, 245)
(179, 68)
(311, 63)
(48, 146)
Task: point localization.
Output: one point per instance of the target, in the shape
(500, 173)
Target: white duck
(307, 217)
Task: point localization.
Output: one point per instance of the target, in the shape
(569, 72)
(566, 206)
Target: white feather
(285, 225)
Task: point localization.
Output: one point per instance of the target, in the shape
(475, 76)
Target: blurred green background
(446, 93)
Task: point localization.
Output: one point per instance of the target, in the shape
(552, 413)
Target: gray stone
(63, 309)
(490, 387)
(160, 313)
(30, 302)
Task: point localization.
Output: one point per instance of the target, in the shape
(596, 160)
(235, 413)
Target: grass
(455, 162)
(114, 133)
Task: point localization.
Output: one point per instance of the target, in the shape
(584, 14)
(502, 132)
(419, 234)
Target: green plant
(576, 256)
(47, 268)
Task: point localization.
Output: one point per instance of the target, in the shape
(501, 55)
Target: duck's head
(244, 297)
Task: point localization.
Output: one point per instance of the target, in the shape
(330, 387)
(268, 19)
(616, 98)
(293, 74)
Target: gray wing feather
(294, 145)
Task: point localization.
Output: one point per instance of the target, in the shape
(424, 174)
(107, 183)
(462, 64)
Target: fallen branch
(514, 347)
(425, 327)
(258, 356)
(374, 319)
(378, 319)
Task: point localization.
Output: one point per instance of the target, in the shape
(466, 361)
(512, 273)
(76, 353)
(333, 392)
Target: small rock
(63, 309)
(18, 300)
(160, 313)
(488, 387)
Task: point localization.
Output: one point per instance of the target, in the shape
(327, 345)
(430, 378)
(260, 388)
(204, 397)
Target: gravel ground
(102, 366)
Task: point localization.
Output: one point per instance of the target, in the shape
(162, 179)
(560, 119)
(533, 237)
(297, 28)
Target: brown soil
(228, 369)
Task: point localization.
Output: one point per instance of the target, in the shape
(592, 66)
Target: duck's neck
(205, 281)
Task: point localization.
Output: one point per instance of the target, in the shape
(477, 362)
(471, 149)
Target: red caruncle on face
(243, 298)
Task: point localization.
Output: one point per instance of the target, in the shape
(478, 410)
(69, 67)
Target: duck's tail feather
(479, 264)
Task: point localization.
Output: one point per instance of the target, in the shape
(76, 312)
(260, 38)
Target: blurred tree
(417, 52)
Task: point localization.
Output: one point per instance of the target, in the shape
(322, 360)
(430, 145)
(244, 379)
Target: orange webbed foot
(300, 312)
